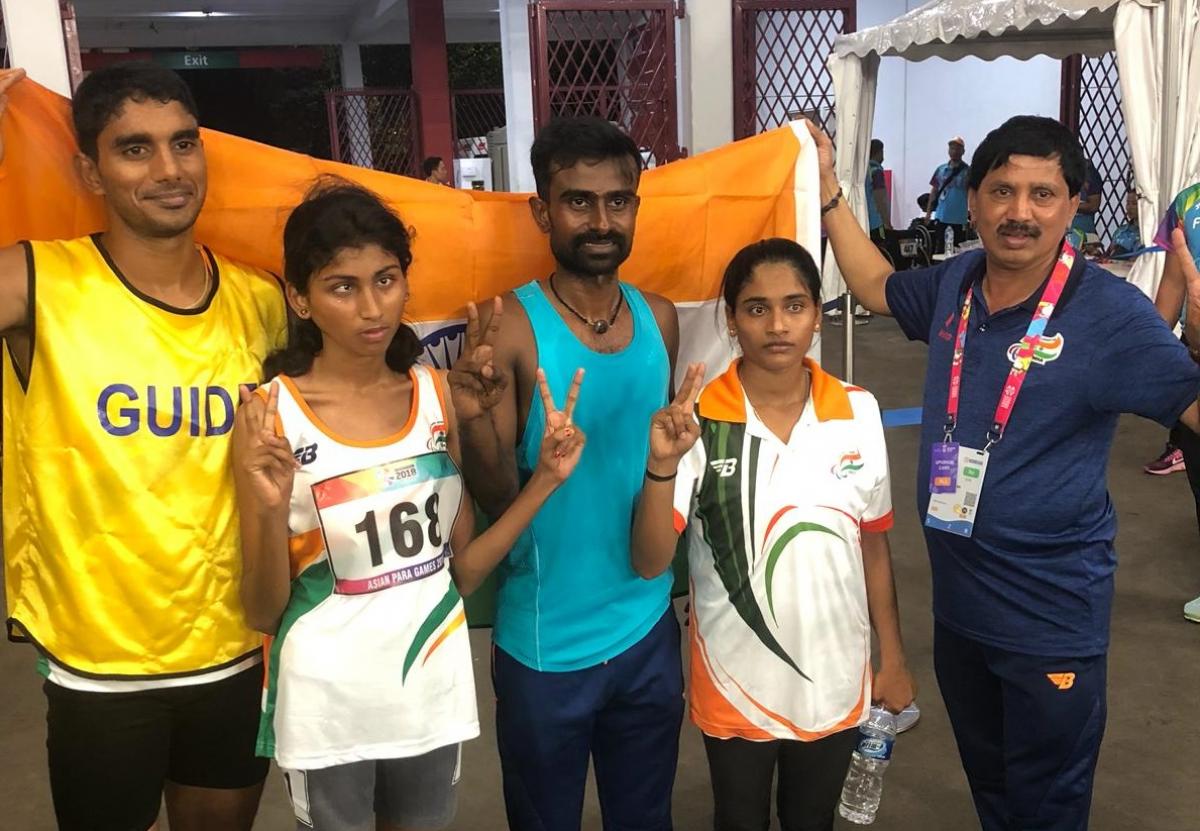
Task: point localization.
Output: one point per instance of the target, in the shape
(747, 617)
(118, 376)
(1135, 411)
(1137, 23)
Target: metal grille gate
(610, 58)
(375, 128)
(779, 53)
(476, 112)
(1091, 106)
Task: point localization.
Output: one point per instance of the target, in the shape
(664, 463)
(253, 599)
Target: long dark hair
(336, 214)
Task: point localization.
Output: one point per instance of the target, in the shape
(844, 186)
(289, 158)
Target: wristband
(832, 203)
(654, 477)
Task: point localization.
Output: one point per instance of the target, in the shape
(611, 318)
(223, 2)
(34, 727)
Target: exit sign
(198, 60)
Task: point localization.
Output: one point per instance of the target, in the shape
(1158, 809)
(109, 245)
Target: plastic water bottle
(864, 780)
(949, 241)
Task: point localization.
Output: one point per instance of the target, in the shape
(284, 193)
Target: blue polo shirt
(875, 181)
(951, 182)
(1037, 576)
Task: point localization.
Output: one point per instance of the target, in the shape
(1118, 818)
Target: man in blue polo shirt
(948, 188)
(1033, 355)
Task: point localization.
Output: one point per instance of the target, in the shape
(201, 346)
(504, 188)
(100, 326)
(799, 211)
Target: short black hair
(104, 92)
(876, 146)
(566, 141)
(773, 250)
(1030, 135)
(430, 164)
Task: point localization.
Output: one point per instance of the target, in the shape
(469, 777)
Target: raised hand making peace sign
(264, 460)
(563, 440)
(673, 429)
(476, 384)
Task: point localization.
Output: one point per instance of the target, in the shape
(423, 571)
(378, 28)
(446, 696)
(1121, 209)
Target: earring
(302, 312)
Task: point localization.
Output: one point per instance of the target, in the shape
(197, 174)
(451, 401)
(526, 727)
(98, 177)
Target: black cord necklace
(599, 326)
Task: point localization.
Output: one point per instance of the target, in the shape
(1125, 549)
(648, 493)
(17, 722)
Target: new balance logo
(724, 467)
(1062, 680)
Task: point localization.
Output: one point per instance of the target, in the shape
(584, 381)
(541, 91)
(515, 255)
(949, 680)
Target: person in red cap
(948, 188)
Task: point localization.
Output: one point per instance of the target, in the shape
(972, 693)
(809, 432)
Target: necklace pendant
(600, 327)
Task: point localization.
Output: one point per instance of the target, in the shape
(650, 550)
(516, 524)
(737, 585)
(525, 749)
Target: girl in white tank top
(357, 533)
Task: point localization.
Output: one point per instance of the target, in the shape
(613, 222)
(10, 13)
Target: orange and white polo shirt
(780, 631)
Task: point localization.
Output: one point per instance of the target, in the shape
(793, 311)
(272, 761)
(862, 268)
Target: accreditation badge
(954, 510)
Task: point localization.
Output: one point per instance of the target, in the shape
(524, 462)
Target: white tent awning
(1157, 44)
(989, 29)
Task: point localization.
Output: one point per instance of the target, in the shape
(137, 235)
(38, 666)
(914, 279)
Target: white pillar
(355, 112)
(708, 64)
(518, 96)
(35, 41)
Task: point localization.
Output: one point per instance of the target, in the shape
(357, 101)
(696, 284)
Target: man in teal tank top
(587, 662)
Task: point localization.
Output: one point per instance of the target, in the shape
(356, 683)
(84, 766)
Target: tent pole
(34, 30)
(848, 337)
(1170, 90)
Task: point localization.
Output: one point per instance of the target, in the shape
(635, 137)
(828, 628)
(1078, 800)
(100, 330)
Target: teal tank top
(568, 597)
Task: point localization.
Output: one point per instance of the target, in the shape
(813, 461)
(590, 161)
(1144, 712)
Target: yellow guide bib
(121, 548)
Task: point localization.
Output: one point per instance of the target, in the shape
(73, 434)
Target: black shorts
(111, 753)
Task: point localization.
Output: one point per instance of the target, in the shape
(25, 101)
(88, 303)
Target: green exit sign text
(198, 60)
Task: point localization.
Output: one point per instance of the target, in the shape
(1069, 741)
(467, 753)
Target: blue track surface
(906, 417)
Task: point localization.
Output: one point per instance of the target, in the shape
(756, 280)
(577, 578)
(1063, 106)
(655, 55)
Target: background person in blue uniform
(1022, 605)
(586, 661)
(948, 188)
(1090, 196)
(1127, 237)
(879, 214)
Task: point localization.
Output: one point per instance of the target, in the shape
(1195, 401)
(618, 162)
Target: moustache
(612, 236)
(169, 192)
(1014, 228)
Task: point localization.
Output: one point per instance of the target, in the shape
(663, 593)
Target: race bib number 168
(389, 524)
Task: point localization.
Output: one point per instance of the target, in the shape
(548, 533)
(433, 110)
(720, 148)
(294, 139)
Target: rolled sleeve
(877, 515)
(1162, 237)
(911, 298)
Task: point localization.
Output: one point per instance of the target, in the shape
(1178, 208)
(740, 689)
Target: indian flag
(470, 245)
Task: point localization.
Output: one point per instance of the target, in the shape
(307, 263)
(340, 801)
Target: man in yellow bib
(124, 354)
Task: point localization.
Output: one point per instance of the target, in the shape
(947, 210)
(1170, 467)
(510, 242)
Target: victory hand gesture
(8, 77)
(263, 458)
(475, 383)
(673, 429)
(562, 441)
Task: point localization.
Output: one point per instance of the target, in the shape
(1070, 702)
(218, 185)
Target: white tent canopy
(1158, 57)
(989, 29)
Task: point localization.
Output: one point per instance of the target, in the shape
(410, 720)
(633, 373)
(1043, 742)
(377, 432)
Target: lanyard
(1020, 362)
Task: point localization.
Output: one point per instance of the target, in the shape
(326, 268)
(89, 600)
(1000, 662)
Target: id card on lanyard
(956, 472)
